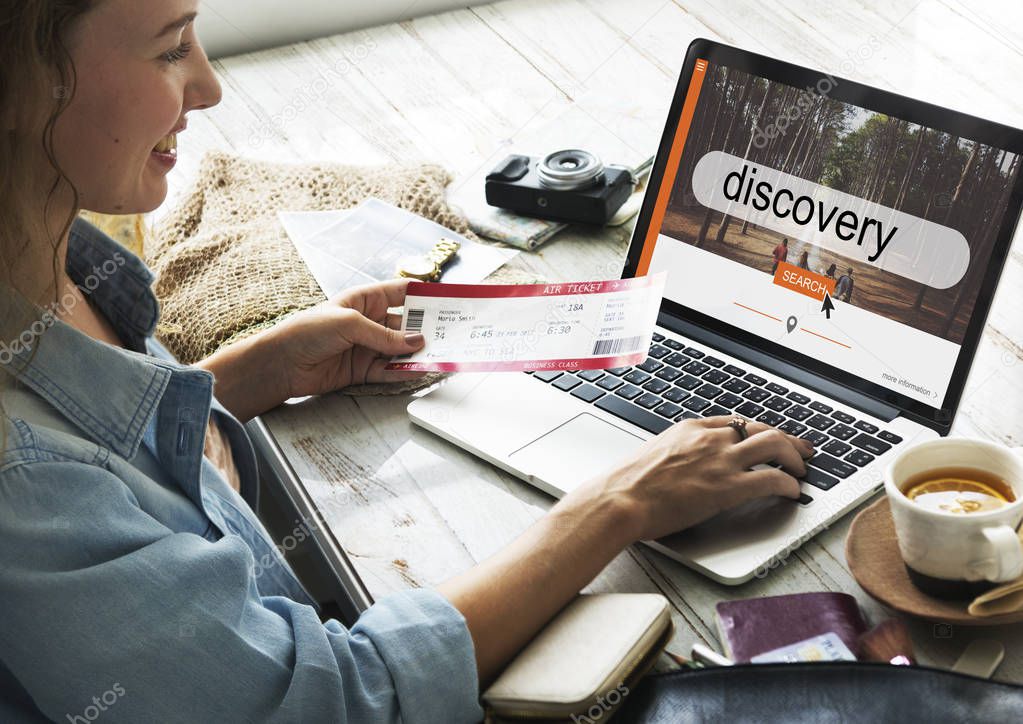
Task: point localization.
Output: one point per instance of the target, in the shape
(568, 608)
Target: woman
(127, 538)
(780, 254)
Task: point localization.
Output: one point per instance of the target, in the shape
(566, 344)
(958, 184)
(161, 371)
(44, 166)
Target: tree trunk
(756, 122)
(893, 144)
(951, 149)
(797, 142)
(719, 237)
(976, 269)
(962, 181)
(900, 198)
(704, 228)
(701, 237)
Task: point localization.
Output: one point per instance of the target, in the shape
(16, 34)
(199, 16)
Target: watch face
(416, 267)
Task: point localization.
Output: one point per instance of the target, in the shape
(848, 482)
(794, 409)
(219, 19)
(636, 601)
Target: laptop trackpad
(575, 451)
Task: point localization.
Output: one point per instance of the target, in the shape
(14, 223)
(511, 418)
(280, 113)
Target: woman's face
(140, 69)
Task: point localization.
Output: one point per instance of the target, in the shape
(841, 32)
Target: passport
(754, 626)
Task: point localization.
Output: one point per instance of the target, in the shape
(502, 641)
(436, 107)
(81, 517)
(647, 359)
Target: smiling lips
(167, 148)
(168, 145)
(165, 152)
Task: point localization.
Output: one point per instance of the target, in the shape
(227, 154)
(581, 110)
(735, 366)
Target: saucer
(872, 553)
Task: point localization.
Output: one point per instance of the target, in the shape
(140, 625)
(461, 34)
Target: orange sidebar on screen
(671, 170)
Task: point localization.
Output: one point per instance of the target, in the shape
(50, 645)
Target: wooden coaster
(872, 552)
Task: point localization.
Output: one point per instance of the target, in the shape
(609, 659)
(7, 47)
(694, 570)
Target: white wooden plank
(575, 47)
(370, 500)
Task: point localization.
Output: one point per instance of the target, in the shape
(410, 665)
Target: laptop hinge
(822, 385)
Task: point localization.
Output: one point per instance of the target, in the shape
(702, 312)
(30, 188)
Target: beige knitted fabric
(224, 264)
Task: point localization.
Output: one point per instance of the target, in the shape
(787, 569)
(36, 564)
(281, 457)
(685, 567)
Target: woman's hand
(345, 341)
(683, 476)
(698, 468)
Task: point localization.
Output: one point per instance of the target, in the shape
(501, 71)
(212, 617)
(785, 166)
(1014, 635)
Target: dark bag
(820, 692)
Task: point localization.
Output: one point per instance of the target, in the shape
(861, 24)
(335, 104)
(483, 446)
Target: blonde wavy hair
(37, 84)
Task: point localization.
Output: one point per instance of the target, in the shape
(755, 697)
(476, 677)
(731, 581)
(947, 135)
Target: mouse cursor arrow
(828, 305)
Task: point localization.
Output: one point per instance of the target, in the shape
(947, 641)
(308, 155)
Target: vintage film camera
(572, 186)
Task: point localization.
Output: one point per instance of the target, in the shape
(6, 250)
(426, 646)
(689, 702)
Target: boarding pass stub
(514, 327)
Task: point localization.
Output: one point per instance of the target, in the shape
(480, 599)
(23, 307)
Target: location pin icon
(791, 323)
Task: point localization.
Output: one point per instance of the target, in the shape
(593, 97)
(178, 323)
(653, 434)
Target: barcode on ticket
(616, 346)
(414, 324)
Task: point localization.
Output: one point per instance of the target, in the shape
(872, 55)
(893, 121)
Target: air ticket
(514, 327)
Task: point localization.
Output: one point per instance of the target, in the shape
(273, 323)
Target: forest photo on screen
(956, 182)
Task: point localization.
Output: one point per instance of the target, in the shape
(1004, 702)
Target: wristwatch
(429, 267)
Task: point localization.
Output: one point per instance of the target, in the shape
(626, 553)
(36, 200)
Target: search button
(804, 281)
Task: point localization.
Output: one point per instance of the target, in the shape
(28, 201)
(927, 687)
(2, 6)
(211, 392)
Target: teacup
(959, 546)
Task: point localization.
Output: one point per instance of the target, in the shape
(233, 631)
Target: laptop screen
(852, 237)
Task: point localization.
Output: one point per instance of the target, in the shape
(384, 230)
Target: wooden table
(462, 89)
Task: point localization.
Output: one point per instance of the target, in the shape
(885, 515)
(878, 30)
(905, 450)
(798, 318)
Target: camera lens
(571, 169)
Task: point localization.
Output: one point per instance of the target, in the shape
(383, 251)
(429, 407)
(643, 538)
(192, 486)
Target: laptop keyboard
(679, 382)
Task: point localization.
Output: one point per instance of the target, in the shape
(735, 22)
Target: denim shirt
(129, 588)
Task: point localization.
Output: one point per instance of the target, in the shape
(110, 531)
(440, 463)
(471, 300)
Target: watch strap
(443, 251)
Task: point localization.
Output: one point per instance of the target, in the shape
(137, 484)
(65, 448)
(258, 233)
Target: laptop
(832, 251)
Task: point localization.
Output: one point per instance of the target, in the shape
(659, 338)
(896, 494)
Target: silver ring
(738, 424)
